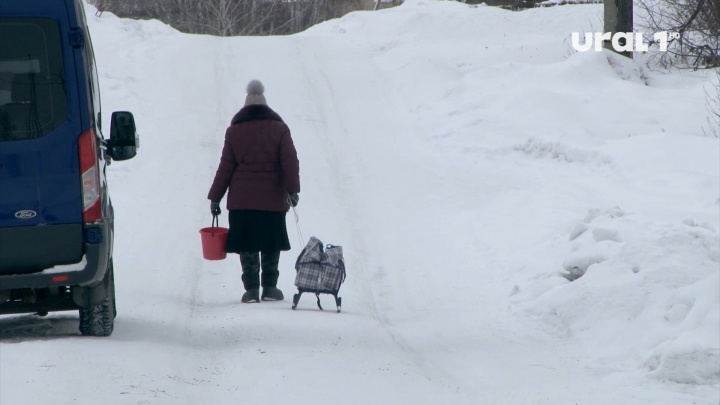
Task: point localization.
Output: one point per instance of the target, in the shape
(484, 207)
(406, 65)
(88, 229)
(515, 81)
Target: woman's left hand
(215, 209)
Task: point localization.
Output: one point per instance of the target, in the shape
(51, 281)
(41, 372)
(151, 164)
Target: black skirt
(257, 231)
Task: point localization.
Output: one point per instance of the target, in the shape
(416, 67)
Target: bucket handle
(214, 224)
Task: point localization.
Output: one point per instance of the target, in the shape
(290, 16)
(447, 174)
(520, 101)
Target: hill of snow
(522, 224)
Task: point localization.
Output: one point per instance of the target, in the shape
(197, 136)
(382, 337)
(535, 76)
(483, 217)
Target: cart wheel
(338, 301)
(296, 298)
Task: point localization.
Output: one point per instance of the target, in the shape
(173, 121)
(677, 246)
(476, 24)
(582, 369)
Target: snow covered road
(460, 167)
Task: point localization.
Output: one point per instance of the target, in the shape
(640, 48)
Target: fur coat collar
(255, 112)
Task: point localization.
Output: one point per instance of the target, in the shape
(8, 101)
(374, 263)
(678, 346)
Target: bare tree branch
(697, 24)
(239, 17)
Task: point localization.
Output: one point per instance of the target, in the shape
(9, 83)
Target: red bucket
(213, 242)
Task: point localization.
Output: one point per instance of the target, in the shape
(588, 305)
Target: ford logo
(25, 214)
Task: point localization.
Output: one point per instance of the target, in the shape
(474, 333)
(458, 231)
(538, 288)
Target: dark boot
(250, 262)
(270, 275)
(272, 294)
(270, 271)
(251, 296)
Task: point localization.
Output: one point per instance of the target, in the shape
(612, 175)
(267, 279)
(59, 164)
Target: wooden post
(101, 6)
(618, 18)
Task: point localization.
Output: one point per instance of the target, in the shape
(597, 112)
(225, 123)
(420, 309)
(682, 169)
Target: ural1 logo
(25, 214)
(622, 41)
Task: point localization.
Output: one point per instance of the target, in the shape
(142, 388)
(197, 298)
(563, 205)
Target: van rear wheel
(99, 320)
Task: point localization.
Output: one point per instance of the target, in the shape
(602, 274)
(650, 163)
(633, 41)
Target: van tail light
(90, 176)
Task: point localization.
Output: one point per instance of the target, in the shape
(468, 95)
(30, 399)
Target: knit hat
(255, 90)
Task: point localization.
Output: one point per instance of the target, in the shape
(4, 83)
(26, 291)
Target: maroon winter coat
(259, 162)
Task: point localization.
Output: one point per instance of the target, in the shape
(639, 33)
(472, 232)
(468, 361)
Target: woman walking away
(260, 167)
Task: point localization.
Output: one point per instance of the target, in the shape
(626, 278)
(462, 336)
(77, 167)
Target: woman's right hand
(293, 199)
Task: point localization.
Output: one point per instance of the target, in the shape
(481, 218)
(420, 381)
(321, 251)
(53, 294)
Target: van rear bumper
(32, 248)
(88, 272)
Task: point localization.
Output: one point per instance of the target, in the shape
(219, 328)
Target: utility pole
(618, 18)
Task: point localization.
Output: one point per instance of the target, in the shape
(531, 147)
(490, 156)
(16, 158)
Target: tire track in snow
(213, 145)
(321, 88)
(208, 279)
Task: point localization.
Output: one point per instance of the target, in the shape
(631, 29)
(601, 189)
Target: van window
(33, 100)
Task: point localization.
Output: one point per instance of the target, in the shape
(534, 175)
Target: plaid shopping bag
(320, 270)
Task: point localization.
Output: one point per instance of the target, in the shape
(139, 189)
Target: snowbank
(470, 164)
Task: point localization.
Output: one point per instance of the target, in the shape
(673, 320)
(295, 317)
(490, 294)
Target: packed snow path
(442, 167)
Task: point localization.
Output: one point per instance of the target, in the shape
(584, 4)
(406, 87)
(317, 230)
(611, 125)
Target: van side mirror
(124, 140)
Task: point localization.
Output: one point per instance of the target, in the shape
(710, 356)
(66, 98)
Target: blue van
(56, 217)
